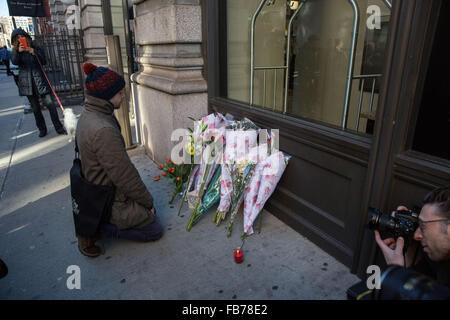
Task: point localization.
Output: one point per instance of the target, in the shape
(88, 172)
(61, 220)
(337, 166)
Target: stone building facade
(92, 26)
(169, 86)
(93, 34)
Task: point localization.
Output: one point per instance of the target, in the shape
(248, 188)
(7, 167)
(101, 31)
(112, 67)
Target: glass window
(318, 45)
(432, 134)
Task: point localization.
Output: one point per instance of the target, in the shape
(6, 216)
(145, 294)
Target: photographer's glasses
(422, 223)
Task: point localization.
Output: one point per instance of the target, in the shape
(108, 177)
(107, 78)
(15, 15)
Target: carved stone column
(93, 35)
(169, 86)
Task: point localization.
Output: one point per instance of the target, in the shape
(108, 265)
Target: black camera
(403, 224)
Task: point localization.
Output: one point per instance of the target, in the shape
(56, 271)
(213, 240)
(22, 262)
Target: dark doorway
(432, 133)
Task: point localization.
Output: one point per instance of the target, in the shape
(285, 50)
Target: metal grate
(64, 53)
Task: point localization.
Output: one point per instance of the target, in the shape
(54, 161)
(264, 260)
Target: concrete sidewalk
(38, 243)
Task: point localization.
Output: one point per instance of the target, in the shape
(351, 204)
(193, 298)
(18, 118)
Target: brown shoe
(87, 247)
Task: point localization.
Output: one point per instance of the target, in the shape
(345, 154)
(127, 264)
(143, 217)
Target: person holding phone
(32, 82)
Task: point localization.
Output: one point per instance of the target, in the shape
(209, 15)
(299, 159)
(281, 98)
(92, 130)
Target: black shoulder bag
(91, 203)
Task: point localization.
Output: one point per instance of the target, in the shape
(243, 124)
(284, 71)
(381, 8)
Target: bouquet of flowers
(211, 197)
(237, 169)
(177, 173)
(210, 157)
(241, 173)
(212, 131)
(199, 196)
(198, 139)
(266, 176)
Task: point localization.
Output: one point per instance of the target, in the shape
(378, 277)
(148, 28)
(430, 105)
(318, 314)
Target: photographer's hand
(400, 208)
(392, 250)
(412, 246)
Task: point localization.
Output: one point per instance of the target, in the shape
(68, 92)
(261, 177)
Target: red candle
(238, 255)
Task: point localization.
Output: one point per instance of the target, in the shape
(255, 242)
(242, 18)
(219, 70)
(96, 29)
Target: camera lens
(380, 221)
(387, 223)
(374, 218)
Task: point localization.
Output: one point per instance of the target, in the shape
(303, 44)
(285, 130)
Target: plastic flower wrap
(212, 196)
(240, 137)
(241, 173)
(202, 135)
(265, 178)
(237, 169)
(209, 139)
(210, 162)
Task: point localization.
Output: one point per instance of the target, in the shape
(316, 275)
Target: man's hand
(392, 250)
(21, 48)
(30, 50)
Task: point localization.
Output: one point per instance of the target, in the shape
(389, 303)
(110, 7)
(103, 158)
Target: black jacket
(30, 71)
(440, 271)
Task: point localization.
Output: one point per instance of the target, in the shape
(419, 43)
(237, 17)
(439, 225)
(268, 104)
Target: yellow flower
(190, 149)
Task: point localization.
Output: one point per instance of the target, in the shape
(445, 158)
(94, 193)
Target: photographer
(432, 235)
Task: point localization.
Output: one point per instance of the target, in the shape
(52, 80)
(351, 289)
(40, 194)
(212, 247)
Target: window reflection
(320, 44)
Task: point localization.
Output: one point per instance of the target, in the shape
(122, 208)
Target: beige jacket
(105, 161)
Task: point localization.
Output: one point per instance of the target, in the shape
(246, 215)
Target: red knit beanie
(102, 82)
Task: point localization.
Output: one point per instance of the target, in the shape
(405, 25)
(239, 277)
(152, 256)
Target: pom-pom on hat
(102, 82)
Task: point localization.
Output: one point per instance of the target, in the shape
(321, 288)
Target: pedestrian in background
(5, 56)
(32, 82)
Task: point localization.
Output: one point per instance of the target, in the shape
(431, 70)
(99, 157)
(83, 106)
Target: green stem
(230, 228)
(197, 218)
(200, 195)
(243, 237)
(185, 191)
(234, 209)
(175, 192)
(189, 226)
(220, 217)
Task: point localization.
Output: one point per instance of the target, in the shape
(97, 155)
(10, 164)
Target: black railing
(64, 53)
